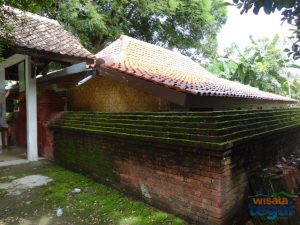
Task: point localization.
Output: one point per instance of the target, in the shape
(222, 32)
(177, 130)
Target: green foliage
(290, 14)
(295, 88)
(187, 25)
(261, 65)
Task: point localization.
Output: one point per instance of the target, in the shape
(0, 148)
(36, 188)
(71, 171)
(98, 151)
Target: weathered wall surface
(178, 180)
(200, 186)
(48, 104)
(244, 159)
(104, 95)
(164, 157)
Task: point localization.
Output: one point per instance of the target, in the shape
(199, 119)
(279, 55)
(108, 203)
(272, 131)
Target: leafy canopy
(290, 13)
(187, 25)
(261, 65)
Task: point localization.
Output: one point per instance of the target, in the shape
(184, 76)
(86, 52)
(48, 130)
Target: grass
(95, 204)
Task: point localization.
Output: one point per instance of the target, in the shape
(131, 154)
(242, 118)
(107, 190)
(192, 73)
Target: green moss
(95, 204)
(203, 129)
(92, 158)
(98, 204)
(2, 193)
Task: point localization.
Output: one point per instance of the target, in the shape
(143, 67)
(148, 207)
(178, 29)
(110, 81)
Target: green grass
(95, 204)
(2, 193)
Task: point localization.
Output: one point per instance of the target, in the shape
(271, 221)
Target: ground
(94, 204)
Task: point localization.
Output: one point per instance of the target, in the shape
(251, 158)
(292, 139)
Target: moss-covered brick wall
(218, 130)
(86, 153)
(193, 164)
(177, 180)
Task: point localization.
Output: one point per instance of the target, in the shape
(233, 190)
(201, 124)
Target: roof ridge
(124, 43)
(127, 39)
(29, 14)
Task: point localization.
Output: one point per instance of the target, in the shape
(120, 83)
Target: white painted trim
(31, 112)
(14, 59)
(31, 102)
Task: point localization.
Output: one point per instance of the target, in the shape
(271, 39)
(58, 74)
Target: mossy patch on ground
(95, 204)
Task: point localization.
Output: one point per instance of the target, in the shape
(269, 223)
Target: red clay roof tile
(35, 32)
(173, 70)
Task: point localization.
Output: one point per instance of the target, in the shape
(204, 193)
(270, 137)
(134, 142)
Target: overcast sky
(238, 27)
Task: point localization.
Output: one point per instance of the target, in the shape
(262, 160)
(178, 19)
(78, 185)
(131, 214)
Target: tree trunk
(98, 43)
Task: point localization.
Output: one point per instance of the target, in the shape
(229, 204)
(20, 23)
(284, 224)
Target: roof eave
(51, 56)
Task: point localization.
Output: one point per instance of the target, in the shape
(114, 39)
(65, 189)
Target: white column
(2, 100)
(2, 97)
(31, 112)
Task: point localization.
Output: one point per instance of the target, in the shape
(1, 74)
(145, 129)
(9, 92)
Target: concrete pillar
(2, 97)
(31, 112)
(2, 100)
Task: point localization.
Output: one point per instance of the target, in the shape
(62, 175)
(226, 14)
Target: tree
(189, 26)
(261, 65)
(290, 14)
(295, 88)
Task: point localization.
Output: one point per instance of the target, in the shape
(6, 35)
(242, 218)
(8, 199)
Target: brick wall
(49, 104)
(242, 160)
(201, 186)
(183, 181)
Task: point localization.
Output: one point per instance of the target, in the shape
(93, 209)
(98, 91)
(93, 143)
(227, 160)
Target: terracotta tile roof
(34, 32)
(173, 70)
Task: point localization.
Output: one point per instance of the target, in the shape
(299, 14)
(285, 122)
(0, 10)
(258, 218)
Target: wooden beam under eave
(149, 87)
(51, 56)
(68, 71)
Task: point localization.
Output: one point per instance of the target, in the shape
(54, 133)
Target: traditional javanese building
(143, 119)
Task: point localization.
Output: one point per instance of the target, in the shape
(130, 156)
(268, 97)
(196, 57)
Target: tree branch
(129, 15)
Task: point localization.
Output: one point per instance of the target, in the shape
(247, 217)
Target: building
(144, 119)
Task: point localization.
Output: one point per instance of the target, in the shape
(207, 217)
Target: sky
(239, 27)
